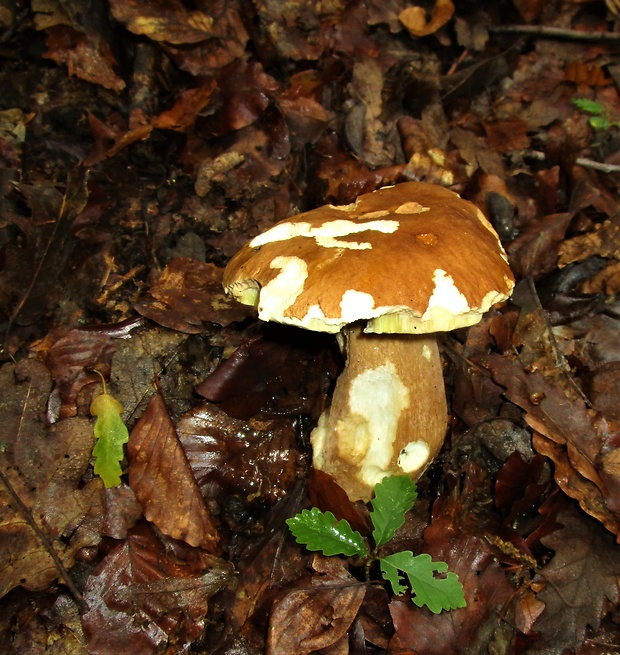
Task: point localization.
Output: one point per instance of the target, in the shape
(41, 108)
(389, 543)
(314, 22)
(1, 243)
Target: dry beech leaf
(581, 576)
(188, 294)
(486, 587)
(414, 18)
(316, 612)
(140, 598)
(162, 480)
(603, 241)
(563, 431)
(166, 21)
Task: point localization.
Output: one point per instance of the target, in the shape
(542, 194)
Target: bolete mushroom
(386, 274)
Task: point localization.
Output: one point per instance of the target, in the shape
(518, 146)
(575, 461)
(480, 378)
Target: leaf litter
(140, 146)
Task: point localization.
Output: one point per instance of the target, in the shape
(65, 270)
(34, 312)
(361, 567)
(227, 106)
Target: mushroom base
(388, 414)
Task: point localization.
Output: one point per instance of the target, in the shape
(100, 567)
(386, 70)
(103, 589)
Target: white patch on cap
(327, 234)
(376, 400)
(281, 292)
(446, 297)
(356, 304)
(414, 456)
(412, 208)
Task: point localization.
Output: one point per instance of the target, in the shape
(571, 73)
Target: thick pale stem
(388, 414)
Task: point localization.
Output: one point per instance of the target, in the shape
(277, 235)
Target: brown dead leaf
(476, 153)
(534, 253)
(162, 480)
(44, 465)
(487, 591)
(188, 293)
(571, 439)
(316, 611)
(605, 282)
(508, 134)
(86, 55)
(415, 18)
(231, 456)
(603, 241)
(164, 20)
(581, 576)
(366, 133)
(300, 29)
(187, 106)
(141, 598)
(280, 371)
(73, 358)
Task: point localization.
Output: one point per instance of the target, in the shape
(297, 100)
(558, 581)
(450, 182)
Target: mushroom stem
(388, 413)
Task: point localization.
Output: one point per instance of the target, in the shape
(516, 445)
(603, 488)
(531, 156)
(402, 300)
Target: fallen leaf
(581, 576)
(188, 294)
(44, 466)
(140, 598)
(567, 435)
(315, 612)
(256, 459)
(534, 253)
(603, 241)
(162, 480)
(168, 21)
(85, 54)
(280, 371)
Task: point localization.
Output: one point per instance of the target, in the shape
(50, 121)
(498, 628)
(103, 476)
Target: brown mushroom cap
(415, 252)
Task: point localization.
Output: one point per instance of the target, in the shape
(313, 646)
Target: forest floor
(141, 145)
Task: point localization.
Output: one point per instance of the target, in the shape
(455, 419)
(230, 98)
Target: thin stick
(44, 540)
(597, 165)
(546, 32)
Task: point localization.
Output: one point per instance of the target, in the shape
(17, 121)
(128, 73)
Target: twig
(597, 165)
(25, 512)
(546, 32)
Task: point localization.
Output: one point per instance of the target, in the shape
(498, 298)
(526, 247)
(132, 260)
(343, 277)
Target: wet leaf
(188, 294)
(315, 613)
(256, 459)
(321, 531)
(162, 480)
(580, 577)
(147, 599)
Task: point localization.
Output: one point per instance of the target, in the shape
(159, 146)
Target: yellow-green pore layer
(412, 258)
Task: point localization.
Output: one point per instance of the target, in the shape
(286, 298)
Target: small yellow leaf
(111, 434)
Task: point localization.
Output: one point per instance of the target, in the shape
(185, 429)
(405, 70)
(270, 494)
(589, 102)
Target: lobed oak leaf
(162, 480)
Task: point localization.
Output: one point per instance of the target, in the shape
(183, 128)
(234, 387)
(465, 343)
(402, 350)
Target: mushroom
(386, 273)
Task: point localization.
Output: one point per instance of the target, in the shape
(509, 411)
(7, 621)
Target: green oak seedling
(429, 582)
(111, 434)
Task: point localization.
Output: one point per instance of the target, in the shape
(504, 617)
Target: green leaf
(599, 122)
(321, 531)
(589, 106)
(437, 593)
(111, 435)
(394, 497)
